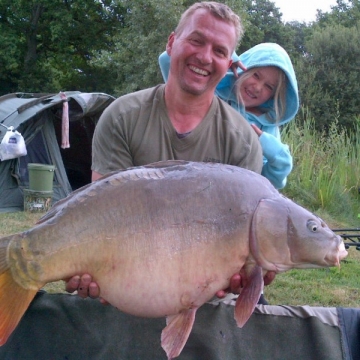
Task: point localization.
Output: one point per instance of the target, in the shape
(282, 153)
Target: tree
(299, 31)
(345, 13)
(264, 24)
(330, 76)
(49, 44)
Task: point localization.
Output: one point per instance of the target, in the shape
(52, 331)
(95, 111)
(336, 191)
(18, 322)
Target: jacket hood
(265, 54)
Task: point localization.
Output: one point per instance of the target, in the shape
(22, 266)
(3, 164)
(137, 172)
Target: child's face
(260, 86)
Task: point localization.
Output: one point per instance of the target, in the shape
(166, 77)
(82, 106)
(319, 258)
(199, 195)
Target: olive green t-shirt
(136, 130)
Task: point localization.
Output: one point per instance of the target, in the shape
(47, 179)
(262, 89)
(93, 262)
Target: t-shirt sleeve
(110, 150)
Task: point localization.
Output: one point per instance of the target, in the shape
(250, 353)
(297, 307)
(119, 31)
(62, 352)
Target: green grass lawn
(314, 287)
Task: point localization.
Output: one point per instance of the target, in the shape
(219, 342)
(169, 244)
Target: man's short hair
(218, 10)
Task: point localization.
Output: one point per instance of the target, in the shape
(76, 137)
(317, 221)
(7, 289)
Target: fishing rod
(352, 235)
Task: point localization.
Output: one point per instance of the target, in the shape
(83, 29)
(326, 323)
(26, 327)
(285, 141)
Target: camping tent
(39, 118)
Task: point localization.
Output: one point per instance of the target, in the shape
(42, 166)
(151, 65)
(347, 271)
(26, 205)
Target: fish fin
(4, 243)
(249, 296)
(14, 300)
(177, 331)
(3, 264)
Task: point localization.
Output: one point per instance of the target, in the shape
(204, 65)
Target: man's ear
(230, 63)
(170, 43)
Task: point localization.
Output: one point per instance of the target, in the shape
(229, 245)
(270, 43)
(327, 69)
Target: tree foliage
(48, 43)
(345, 13)
(330, 76)
(264, 23)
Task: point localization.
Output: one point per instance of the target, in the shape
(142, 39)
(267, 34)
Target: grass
(326, 173)
(15, 222)
(314, 287)
(319, 287)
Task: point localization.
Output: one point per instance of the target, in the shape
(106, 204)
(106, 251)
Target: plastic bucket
(41, 177)
(37, 201)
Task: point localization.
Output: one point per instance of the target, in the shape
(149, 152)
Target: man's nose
(205, 55)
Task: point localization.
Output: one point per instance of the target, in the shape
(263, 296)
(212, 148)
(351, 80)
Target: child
(266, 94)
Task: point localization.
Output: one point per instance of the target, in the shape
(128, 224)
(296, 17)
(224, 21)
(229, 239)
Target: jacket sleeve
(278, 162)
(235, 57)
(164, 62)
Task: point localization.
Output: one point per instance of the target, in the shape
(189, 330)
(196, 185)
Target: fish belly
(165, 284)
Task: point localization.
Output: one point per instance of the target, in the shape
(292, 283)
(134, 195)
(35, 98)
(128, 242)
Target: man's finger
(269, 277)
(83, 289)
(235, 284)
(72, 284)
(94, 290)
(221, 294)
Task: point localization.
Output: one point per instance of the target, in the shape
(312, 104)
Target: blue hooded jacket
(277, 163)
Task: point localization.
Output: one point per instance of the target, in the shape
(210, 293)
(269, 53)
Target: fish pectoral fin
(249, 296)
(14, 300)
(177, 331)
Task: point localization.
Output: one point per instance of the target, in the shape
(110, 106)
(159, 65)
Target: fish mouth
(341, 253)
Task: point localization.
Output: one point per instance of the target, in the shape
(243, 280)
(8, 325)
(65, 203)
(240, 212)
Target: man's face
(201, 53)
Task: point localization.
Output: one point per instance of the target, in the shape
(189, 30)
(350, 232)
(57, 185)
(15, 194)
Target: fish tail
(14, 300)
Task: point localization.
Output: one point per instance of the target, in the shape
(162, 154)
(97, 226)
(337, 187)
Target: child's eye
(256, 75)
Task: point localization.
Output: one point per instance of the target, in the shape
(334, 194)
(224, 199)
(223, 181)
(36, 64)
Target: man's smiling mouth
(199, 71)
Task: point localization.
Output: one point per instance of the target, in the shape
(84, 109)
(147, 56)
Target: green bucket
(41, 177)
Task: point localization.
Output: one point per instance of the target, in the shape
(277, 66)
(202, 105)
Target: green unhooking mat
(66, 327)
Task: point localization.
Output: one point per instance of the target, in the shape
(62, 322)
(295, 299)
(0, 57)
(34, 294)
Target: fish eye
(312, 225)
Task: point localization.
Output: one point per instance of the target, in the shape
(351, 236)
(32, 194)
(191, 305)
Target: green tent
(39, 119)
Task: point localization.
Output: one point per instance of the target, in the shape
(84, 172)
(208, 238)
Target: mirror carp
(160, 240)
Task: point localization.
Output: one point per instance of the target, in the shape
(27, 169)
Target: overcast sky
(302, 10)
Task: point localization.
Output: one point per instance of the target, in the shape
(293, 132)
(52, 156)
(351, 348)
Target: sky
(302, 10)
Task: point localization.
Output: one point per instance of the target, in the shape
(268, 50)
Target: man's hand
(84, 286)
(269, 277)
(235, 287)
(238, 281)
(257, 130)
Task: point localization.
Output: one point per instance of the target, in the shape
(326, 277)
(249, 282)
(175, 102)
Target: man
(182, 119)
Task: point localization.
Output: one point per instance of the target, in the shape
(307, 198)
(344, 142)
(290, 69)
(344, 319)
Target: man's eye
(220, 52)
(195, 41)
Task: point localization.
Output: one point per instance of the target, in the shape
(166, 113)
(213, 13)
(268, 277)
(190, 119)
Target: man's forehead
(204, 24)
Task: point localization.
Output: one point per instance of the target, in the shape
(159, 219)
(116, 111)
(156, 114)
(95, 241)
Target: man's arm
(95, 176)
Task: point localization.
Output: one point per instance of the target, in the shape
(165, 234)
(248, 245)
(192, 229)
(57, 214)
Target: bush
(329, 77)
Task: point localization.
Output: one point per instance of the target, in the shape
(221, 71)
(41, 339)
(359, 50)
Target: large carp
(161, 240)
